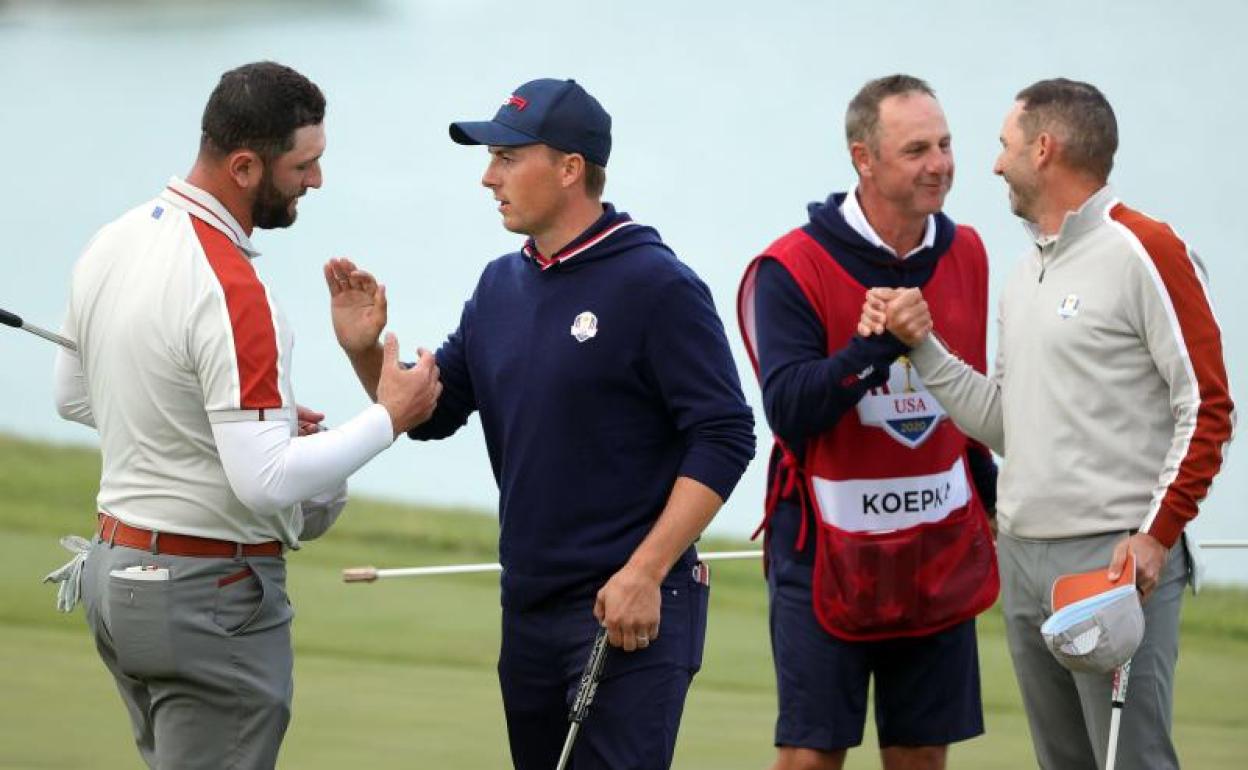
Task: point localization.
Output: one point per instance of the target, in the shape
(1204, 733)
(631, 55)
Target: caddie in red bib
(879, 549)
(895, 555)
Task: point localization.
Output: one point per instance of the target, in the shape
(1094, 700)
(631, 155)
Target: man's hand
(909, 318)
(409, 395)
(875, 311)
(903, 312)
(357, 304)
(1150, 558)
(309, 420)
(628, 605)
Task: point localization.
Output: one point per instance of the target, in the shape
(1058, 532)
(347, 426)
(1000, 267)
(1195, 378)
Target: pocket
(957, 572)
(687, 591)
(251, 598)
(699, 607)
(139, 623)
(910, 581)
(238, 601)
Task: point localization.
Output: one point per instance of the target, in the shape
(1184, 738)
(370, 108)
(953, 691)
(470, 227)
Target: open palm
(357, 304)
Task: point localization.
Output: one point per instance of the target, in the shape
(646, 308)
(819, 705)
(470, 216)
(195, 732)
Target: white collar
(854, 216)
(205, 207)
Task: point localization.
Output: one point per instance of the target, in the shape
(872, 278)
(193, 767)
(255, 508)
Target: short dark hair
(1080, 115)
(862, 117)
(595, 179)
(595, 176)
(258, 107)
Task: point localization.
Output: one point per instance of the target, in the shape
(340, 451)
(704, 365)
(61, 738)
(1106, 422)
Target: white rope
(371, 574)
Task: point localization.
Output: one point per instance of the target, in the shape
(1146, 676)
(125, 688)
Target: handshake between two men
(902, 312)
(410, 395)
(358, 307)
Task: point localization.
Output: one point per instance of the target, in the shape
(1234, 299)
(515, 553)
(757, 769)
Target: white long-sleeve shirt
(1109, 398)
(184, 369)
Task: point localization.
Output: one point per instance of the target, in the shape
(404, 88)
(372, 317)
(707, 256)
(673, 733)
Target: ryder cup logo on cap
(1096, 624)
(557, 113)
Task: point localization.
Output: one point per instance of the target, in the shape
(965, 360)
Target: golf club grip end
(9, 319)
(589, 677)
(359, 575)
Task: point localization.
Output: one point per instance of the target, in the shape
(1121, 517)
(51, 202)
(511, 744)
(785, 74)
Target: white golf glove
(70, 574)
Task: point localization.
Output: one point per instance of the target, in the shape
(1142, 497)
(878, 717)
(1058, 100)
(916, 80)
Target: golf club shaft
(566, 754)
(14, 320)
(1118, 698)
(371, 574)
(1111, 757)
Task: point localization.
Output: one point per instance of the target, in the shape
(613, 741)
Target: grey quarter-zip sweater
(1109, 398)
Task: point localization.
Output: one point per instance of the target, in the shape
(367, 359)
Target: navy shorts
(636, 712)
(927, 689)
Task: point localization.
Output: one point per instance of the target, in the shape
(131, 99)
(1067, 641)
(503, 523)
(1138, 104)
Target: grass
(400, 673)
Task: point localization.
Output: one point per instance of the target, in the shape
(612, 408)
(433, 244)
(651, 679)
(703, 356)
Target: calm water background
(728, 121)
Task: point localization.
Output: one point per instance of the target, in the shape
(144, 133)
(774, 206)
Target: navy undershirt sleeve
(805, 391)
(457, 401)
(687, 351)
(983, 470)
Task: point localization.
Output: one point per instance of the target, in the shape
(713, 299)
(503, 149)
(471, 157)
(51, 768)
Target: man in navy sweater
(615, 425)
(879, 552)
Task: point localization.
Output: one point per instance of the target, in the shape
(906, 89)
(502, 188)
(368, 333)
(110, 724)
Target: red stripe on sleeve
(1203, 340)
(251, 319)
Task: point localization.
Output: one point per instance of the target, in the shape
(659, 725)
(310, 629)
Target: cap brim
(1068, 589)
(489, 132)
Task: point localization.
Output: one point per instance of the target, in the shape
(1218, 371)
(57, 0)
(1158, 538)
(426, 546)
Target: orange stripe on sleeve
(251, 319)
(1203, 341)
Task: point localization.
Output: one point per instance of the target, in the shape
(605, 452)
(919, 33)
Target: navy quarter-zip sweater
(806, 391)
(586, 438)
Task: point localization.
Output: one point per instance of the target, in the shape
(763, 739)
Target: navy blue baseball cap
(558, 113)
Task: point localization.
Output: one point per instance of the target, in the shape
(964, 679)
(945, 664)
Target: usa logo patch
(902, 407)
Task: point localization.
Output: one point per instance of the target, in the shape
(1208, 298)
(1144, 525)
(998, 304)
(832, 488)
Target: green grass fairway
(400, 674)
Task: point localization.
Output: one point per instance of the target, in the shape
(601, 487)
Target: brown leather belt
(119, 533)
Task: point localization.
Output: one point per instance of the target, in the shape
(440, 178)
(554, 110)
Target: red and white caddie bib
(903, 546)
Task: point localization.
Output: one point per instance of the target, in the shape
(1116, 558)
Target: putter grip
(359, 575)
(9, 319)
(589, 678)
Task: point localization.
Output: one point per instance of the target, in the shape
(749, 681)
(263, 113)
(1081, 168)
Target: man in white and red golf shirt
(1110, 404)
(185, 370)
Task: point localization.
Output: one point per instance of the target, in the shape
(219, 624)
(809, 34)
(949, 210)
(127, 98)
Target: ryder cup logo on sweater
(585, 326)
(902, 407)
(1069, 307)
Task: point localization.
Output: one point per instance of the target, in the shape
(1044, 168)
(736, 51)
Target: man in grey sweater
(1109, 402)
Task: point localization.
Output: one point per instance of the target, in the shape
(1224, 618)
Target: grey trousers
(202, 660)
(1069, 713)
